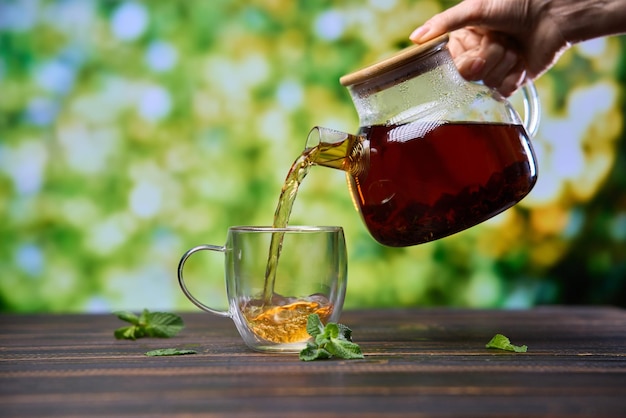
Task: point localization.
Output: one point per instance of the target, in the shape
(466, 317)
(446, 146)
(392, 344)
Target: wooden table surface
(418, 363)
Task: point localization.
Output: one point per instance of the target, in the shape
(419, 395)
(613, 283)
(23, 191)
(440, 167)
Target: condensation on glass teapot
(434, 153)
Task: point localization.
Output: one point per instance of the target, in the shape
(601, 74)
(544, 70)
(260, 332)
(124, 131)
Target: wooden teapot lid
(393, 62)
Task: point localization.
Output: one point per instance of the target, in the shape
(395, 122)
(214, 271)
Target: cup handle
(532, 108)
(183, 286)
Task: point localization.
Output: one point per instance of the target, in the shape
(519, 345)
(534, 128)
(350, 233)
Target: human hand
(501, 42)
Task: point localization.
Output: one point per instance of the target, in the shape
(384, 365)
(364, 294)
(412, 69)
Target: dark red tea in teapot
(426, 181)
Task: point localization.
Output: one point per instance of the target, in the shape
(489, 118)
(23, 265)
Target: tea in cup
(277, 277)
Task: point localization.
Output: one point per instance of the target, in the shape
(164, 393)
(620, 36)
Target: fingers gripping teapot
(434, 154)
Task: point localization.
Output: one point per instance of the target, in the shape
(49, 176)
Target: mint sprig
(148, 324)
(501, 342)
(332, 340)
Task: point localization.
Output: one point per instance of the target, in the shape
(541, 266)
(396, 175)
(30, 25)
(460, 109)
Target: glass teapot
(434, 154)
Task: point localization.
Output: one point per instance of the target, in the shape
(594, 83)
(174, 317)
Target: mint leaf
(148, 324)
(169, 352)
(128, 317)
(331, 331)
(345, 331)
(163, 324)
(143, 318)
(129, 333)
(313, 352)
(314, 325)
(344, 349)
(501, 342)
(332, 340)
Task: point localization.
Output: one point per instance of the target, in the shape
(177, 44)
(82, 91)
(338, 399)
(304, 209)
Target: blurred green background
(132, 131)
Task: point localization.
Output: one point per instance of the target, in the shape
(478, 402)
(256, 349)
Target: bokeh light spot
(41, 111)
(55, 76)
(129, 21)
(30, 259)
(145, 199)
(161, 56)
(110, 233)
(289, 94)
(154, 104)
(618, 227)
(25, 165)
(87, 151)
(18, 16)
(383, 4)
(329, 25)
(592, 48)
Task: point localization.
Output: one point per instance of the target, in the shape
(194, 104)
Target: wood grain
(422, 362)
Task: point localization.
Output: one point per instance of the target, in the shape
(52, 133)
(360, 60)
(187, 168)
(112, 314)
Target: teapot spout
(336, 149)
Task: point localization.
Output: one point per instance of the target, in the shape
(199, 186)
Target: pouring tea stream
(434, 155)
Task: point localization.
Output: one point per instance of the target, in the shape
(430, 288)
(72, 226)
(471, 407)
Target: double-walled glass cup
(276, 278)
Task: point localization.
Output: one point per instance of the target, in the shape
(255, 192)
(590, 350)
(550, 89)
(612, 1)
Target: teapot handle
(532, 108)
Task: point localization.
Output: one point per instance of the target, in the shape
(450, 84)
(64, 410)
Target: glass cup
(275, 278)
